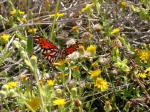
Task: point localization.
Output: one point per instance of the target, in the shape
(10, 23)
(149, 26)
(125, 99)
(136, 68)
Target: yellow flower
(91, 48)
(142, 75)
(32, 30)
(63, 75)
(88, 6)
(59, 101)
(35, 103)
(148, 69)
(5, 36)
(12, 84)
(50, 82)
(13, 12)
(101, 83)
(61, 62)
(58, 14)
(124, 4)
(117, 30)
(144, 54)
(20, 12)
(95, 72)
(75, 27)
(23, 19)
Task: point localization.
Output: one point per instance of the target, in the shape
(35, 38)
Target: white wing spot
(44, 52)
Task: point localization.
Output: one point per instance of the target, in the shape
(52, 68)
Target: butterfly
(51, 52)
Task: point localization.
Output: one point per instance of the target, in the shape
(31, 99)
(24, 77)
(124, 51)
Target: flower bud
(5, 87)
(3, 93)
(124, 4)
(75, 27)
(16, 44)
(77, 102)
(23, 77)
(107, 107)
(114, 71)
(104, 61)
(74, 91)
(75, 67)
(97, 27)
(59, 91)
(71, 83)
(127, 106)
(23, 43)
(92, 49)
(86, 36)
(41, 82)
(23, 54)
(33, 60)
(11, 92)
(117, 43)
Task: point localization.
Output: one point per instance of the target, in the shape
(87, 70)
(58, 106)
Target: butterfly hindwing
(72, 48)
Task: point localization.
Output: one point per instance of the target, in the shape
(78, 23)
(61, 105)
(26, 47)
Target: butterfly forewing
(43, 42)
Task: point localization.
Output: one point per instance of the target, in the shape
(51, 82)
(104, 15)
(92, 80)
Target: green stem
(141, 85)
(92, 99)
(6, 104)
(40, 89)
(54, 21)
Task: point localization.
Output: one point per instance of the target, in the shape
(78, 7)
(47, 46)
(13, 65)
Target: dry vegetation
(109, 72)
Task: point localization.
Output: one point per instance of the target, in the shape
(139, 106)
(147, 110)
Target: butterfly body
(51, 52)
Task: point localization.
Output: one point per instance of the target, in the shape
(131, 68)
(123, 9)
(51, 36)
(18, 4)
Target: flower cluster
(32, 30)
(21, 13)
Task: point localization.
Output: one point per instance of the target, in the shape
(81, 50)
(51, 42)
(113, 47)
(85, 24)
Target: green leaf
(30, 45)
(136, 9)
(18, 34)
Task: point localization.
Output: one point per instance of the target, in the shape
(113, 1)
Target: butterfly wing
(69, 50)
(43, 42)
(51, 54)
(49, 50)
